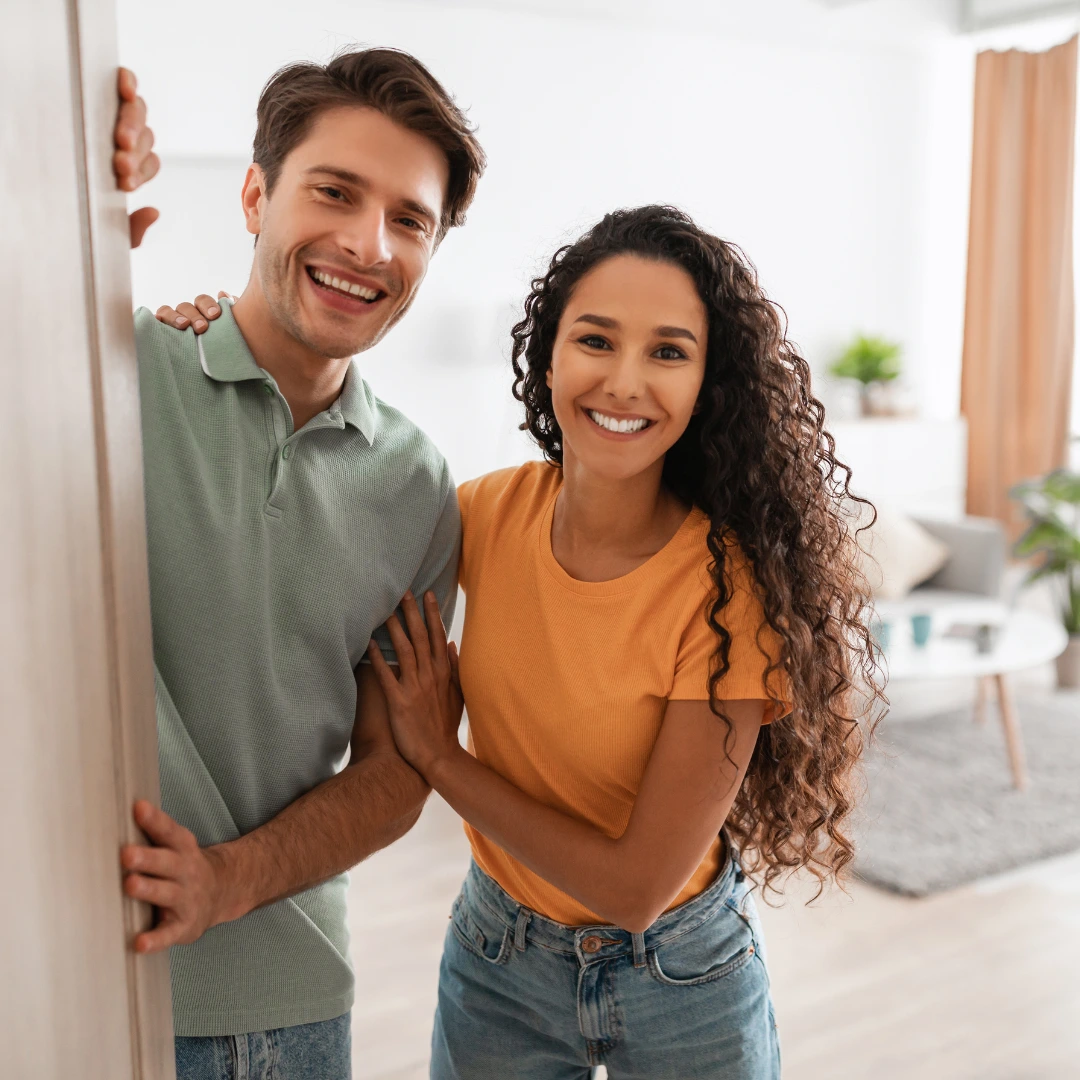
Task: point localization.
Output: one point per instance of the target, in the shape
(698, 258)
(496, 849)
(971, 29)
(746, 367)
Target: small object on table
(920, 629)
(986, 636)
(1025, 639)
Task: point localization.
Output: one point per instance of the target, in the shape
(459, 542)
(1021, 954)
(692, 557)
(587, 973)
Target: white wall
(837, 157)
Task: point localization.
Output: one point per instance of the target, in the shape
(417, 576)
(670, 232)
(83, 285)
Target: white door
(77, 734)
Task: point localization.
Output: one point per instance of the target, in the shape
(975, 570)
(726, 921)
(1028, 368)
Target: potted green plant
(873, 362)
(1052, 507)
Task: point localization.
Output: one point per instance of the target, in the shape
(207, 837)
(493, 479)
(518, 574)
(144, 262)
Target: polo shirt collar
(225, 357)
(356, 403)
(223, 352)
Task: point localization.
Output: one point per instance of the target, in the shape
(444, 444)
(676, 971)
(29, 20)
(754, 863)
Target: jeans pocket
(479, 931)
(718, 948)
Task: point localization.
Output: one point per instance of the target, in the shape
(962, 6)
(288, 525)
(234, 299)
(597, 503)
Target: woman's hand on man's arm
(689, 785)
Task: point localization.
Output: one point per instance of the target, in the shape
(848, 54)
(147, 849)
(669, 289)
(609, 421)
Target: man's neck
(310, 383)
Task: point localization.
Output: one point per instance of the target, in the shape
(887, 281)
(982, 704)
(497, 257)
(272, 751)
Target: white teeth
(619, 426)
(351, 289)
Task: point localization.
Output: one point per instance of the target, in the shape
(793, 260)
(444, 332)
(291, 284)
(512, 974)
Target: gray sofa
(977, 556)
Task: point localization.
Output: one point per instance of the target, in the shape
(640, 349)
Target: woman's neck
(604, 529)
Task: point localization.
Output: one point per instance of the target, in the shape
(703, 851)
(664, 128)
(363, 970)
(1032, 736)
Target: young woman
(661, 660)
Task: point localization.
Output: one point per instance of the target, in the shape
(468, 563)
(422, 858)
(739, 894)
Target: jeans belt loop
(523, 917)
(639, 950)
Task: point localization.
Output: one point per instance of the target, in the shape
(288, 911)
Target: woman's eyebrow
(675, 331)
(613, 324)
(598, 320)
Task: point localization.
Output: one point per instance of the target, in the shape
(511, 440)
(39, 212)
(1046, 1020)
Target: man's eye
(670, 352)
(332, 193)
(410, 223)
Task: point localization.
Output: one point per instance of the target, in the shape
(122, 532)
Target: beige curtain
(1018, 331)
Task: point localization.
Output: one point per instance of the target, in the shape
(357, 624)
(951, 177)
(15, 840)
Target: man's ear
(253, 198)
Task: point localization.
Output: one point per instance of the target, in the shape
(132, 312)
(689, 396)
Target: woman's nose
(625, 381)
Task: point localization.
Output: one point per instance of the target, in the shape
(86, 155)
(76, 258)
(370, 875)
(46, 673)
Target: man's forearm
(336, 825)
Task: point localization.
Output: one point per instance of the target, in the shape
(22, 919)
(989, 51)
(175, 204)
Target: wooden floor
(982, 983)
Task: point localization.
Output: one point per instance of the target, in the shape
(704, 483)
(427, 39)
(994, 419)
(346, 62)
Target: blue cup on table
(920, 629)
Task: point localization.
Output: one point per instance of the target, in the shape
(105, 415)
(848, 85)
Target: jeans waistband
(603, 941)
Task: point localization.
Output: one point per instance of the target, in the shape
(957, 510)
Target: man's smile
(343, 291)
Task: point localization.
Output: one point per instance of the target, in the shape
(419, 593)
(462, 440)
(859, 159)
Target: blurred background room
(901, 174)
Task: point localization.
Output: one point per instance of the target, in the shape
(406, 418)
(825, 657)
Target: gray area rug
(940, 810)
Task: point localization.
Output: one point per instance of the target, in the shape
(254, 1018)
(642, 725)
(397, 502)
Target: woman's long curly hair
(756, 458)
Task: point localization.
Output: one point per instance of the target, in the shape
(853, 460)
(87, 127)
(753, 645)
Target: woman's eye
(594, 341)
(670, 352)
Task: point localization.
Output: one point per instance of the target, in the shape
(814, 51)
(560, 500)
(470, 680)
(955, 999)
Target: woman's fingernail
(181, 321)
(213, 311)
(200, 324)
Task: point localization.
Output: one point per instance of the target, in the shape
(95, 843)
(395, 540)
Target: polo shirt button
(286, 451)
(269, 389)
(591, 944)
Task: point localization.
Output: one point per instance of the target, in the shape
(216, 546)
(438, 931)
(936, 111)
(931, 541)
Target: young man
(288, 511)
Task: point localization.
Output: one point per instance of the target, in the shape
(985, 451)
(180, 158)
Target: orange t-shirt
(566, 681)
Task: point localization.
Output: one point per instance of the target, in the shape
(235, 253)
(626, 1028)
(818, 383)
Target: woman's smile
(611, 425)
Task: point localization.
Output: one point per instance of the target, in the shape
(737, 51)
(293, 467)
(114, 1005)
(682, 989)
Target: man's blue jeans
(304, 1052)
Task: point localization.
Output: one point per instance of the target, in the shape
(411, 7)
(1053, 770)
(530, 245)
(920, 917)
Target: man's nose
(367, 238)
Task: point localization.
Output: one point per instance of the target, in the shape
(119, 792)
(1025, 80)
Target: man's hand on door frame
(134, 160)
(186, 883)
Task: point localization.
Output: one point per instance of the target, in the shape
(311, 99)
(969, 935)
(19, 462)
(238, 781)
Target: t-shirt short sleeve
(754, 646)
(465, 495)
(477, 503)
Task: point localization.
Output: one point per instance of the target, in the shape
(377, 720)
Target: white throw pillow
(897, 553)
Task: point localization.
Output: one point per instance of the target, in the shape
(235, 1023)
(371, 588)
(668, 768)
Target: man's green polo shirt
(274, 557)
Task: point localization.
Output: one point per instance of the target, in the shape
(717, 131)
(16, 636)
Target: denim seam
(684, 930)
(736, 963)
(697, 921)
(504, 950)
(550, 948)
(530, 939)
(496, 915)
(273, 1048)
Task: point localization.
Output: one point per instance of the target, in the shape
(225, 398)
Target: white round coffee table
(1024, 639)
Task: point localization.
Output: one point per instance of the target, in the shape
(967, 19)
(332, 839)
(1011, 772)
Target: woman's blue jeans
(524, 997)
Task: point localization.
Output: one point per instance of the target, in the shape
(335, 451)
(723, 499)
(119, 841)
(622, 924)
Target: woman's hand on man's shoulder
(198, 314)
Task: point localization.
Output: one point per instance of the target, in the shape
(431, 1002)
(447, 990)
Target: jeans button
(591, 944)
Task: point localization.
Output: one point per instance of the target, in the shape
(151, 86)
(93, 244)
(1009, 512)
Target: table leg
(982, 692)
(1013, 740)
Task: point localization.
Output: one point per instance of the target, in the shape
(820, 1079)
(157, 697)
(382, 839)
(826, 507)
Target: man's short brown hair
(389, 80)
